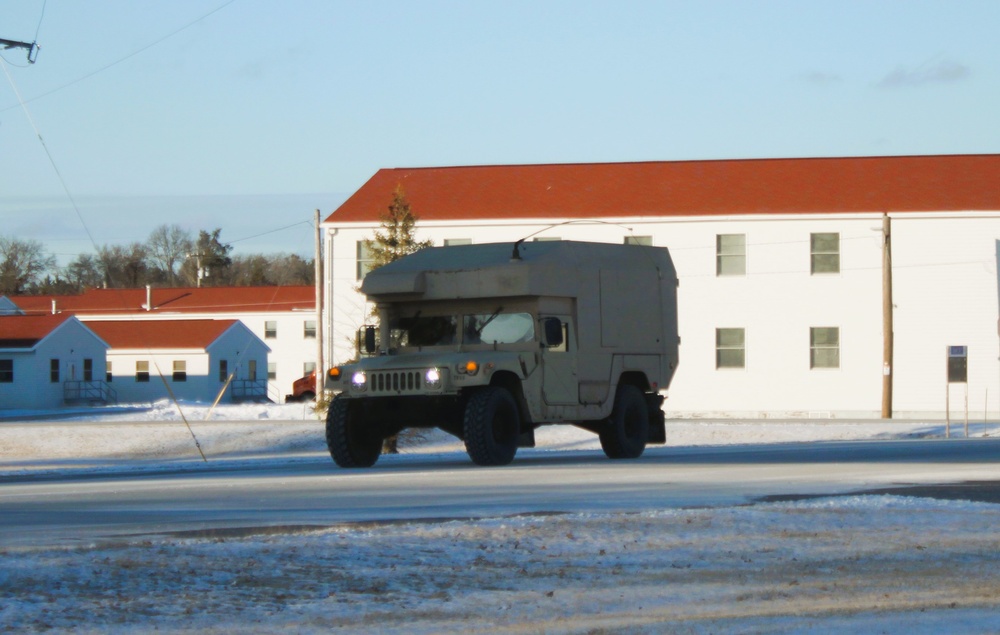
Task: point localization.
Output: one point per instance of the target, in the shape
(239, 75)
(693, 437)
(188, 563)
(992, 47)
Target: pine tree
(394, 239)
(395, 236)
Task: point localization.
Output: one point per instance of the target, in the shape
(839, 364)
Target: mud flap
(527, 439)
(657, 420)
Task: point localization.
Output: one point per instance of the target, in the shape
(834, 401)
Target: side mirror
(553, 329)
(370, 339)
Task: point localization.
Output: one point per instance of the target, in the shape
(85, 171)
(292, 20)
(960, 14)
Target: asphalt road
(272, 496)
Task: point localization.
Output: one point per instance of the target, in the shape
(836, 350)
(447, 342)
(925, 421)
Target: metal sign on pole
(957, 373)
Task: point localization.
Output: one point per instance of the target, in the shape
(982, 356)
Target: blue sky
(250, 114)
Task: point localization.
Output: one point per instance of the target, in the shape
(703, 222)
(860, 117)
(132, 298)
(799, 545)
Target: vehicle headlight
(432, 378)
(359, 381)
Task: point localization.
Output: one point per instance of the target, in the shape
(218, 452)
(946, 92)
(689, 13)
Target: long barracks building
(782, 266)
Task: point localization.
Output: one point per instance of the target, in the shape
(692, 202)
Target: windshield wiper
(479, 331)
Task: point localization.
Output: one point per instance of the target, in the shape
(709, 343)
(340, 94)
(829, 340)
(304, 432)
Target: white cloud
(945, 71)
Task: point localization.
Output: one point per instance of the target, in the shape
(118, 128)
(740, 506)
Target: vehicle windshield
(498, 328)
(477, 328)
(418, 330)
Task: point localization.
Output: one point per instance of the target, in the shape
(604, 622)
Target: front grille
(396, 381)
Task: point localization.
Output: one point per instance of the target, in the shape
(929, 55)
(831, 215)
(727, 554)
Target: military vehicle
(488, 342)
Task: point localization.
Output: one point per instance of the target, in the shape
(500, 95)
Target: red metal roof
(154, 334)
(685, 188)
(24, 331)
(176, 300)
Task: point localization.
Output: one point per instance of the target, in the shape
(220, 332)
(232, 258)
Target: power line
(122, 59)
(273, 231)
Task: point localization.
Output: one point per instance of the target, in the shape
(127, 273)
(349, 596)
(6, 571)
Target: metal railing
(249, 390)
(90, 391)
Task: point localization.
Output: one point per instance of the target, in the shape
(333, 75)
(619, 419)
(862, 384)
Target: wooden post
(318, 274)
(887, 342)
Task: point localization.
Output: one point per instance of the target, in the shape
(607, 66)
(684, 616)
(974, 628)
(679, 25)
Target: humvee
(488, 342)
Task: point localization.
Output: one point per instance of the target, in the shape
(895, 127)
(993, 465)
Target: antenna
(516, 254)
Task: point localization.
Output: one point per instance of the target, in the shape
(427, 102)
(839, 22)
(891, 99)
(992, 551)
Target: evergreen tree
(395, 236)
(394, 239)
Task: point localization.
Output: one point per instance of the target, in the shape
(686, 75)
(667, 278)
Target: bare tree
(84, 272)
(292, 269)
(168, 246)
(22, 263)
(123, 267)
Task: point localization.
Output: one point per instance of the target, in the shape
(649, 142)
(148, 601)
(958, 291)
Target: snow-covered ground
(848, 564)
(144, 437)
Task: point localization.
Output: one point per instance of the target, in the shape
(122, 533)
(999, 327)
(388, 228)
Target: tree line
(170, 257)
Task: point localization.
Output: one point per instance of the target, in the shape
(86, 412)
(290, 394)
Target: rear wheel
(626, 432)
(352, 441)
(491, 427)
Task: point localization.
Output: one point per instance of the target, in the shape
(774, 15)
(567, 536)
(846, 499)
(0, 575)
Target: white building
(284, 317)
(780, 261)
(48, 360)
(195, 360)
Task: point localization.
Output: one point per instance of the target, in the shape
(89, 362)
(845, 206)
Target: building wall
(203, 382)
(945, 292)
(70, 343)
(290, 348)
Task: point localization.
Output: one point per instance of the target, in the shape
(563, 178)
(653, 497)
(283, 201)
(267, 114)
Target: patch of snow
(857, 563)
(865, 563)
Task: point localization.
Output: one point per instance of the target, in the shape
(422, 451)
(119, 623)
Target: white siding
(945, 289)
(71, 342)
(945, 292)
(289, 350)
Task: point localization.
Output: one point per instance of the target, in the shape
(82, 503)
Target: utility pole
(886, 317)
(318, 275)
(31, 47)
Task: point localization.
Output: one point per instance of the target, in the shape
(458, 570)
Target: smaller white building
(284, 317)
(195, 360)
(46, 360)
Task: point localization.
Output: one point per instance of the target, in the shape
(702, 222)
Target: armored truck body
(490, 341)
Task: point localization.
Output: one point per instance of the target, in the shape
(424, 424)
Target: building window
(309, 329)
(252, 370)
(180, 370)
(824, 347)
(731, 255)
(366, 262)
(142, 372)
(824, 253)
(272, 370)
(88, 369)
(6, 371)
(730, 348)
(451, 242)
(308, 367)
(107, 372)
(270, 329)
(639, 240)
(223, 370)
(54, 371)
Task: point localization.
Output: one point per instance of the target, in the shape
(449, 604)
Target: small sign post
(958, 373)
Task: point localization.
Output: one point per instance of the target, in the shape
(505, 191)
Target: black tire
(626, 431)
(492, 425)
(352, 441)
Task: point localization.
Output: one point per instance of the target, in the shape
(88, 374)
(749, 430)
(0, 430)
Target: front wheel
(626, 431)
(352, 441)
(491, 427)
